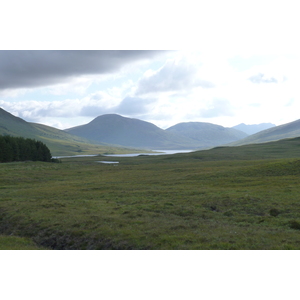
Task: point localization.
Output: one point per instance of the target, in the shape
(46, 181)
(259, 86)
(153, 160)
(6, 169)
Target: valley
(225, 198)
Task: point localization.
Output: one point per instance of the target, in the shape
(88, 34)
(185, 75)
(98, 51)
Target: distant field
(225, 198)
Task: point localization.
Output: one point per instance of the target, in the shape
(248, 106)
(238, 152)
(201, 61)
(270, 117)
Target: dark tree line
(21, 149)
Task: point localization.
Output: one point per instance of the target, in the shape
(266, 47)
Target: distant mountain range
(106, 132)
(206, 134)
(252, 129)
(118, 130)
(289, 130)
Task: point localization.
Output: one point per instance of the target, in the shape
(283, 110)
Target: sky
(229, 63)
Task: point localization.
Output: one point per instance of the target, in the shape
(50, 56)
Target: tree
(20, 149)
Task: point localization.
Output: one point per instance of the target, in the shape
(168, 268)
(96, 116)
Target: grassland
(225, 198)
(18, 243)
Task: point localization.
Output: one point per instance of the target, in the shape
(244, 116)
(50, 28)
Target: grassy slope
(62, 143)
(287, 148)
(15, 126)
(239, 198)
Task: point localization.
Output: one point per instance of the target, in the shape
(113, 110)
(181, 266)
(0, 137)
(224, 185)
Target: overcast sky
(243, 67)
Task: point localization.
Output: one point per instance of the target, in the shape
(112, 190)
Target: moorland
(244, 197)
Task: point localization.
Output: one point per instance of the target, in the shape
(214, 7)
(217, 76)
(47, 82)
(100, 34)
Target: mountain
(118, 130)
(207, 134)
(252, 129)
(58, 141)
(14, 126)
(289, 130)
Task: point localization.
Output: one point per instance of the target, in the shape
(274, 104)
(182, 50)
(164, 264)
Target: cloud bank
(29, 69)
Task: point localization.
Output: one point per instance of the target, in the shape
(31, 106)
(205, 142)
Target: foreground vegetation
(225, 198)
(17, 243)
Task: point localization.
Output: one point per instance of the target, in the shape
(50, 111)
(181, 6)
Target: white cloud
(175, 75)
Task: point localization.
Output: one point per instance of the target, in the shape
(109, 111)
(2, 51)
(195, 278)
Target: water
(108, 162)
(57, 157)
(158, 152)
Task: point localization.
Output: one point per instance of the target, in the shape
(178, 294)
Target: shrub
(274, 212)
(294, 225)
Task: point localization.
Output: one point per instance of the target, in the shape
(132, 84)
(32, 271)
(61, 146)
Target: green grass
(218, 199)
(17, 243)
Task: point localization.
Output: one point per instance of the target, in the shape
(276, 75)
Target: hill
(289, 130)
(206, 134)
(254, 128)
(14, 126)
(118, 130)
(282, 149)
(58, 141)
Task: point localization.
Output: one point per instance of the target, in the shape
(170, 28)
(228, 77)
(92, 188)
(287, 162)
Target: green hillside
(286, 148)
(14, 126)
(289, 130)
(206, 134)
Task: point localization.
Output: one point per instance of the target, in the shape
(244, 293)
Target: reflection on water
(57, 157)
(108, 162)
(157, 152)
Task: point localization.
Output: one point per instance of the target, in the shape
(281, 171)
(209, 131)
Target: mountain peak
(253, 128)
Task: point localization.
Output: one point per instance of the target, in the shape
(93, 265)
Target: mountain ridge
(119, 130)
(130, 132)
(284, 131)
(209, 135)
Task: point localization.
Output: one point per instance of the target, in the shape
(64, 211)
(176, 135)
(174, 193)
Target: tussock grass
(17, 243)
(149, 202)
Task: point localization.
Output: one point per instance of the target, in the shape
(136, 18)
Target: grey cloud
(172, 77)
(28, 69)
(220, 107)
(261, 78)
